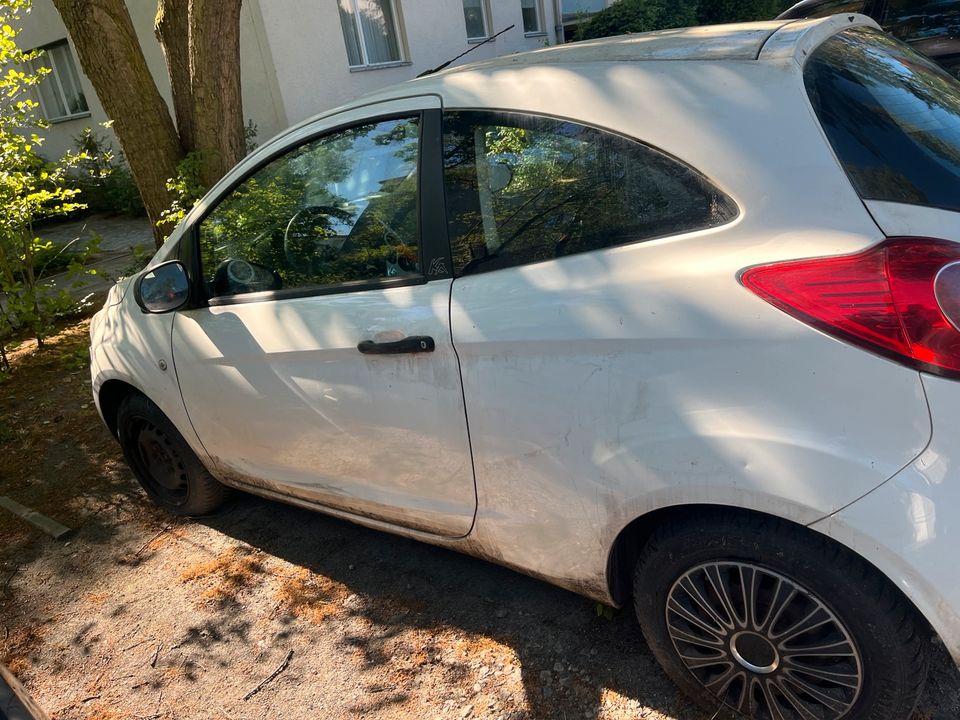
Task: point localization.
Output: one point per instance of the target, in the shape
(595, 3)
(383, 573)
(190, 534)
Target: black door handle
(412, 344)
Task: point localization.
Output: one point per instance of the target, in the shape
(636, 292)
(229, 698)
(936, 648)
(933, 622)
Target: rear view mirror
(163, 289)
(501, 175)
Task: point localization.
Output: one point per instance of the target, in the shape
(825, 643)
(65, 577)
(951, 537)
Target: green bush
(629, 16)
(104, 179)
(714, 12)
(50, 259)
(31, 191)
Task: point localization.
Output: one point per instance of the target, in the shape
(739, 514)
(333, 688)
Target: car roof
(771, 40)
(738, 41)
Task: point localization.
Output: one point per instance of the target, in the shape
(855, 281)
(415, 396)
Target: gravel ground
(270, 611)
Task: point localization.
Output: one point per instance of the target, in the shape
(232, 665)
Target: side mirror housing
(164, 288)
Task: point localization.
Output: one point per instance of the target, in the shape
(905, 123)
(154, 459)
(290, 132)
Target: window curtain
(531, 16)
(350, 36)
(379, 31)
(69, 79)
(475, 21)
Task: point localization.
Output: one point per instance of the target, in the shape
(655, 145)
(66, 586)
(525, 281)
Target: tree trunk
(215, 86)
(111, 57)
(173, 32)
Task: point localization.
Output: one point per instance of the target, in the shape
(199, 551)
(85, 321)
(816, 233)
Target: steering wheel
(236, 275)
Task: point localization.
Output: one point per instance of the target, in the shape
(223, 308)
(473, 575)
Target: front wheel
(755, 617)
(166, 467)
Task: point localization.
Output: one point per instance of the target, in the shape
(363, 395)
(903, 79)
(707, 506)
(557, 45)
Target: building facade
(302, 57)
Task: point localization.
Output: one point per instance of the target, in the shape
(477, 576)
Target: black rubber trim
(435, 245)
(292, 293)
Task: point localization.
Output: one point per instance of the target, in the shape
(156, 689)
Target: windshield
(891, 115)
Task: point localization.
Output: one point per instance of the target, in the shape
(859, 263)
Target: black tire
(870, 637)
(160, 458)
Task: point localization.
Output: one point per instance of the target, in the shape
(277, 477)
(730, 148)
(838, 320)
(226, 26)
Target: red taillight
(900, 298)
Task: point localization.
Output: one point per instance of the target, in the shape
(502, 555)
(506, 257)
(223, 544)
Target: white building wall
(311, 56)
(294, 58)
(43, 26)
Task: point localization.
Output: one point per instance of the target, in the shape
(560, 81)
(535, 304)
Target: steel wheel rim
(762, 643)
(159, 464)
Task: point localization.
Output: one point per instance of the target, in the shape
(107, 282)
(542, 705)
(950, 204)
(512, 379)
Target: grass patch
(20, 648)
(311, 597)
(55, 454)
(225, 576)
(7, 433)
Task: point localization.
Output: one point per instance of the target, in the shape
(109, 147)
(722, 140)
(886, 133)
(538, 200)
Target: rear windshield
(892, 116)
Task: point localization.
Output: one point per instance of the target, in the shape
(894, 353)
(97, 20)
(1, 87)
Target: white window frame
(538, 8)
(485, 14)
(47, 60)
(397, 31)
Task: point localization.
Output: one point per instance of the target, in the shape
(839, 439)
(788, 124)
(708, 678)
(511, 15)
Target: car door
(321, 364)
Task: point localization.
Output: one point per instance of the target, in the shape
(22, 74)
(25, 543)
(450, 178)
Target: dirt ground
(136, 615)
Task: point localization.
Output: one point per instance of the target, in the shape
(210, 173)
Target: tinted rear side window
(892, 117)
(523, 189)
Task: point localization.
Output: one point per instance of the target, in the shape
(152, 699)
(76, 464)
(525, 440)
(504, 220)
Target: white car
(668, 319)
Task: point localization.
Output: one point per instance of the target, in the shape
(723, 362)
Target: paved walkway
(119, 236)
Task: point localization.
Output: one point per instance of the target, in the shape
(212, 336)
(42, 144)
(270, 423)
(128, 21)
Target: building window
(532, 17)
(475, 16)
(60, 95)
(371, 30)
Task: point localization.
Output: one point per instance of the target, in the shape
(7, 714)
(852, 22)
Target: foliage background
(31, 190)
(627, 16)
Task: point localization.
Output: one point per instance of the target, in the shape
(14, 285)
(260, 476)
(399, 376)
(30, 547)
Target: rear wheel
(166, 467)
(757, 617)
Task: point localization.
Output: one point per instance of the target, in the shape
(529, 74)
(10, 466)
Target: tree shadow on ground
(405, 584)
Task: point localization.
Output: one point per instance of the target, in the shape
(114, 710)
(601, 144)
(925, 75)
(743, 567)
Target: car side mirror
(163, 289)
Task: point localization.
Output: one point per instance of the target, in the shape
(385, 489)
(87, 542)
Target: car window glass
(523, 189)
(892, 117)
(914, 21)
(339, 209)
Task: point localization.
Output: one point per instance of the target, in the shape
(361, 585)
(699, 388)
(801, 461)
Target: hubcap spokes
(762, 643)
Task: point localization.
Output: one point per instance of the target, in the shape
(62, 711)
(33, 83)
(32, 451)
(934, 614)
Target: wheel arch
(631, 540)
(110, 395)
